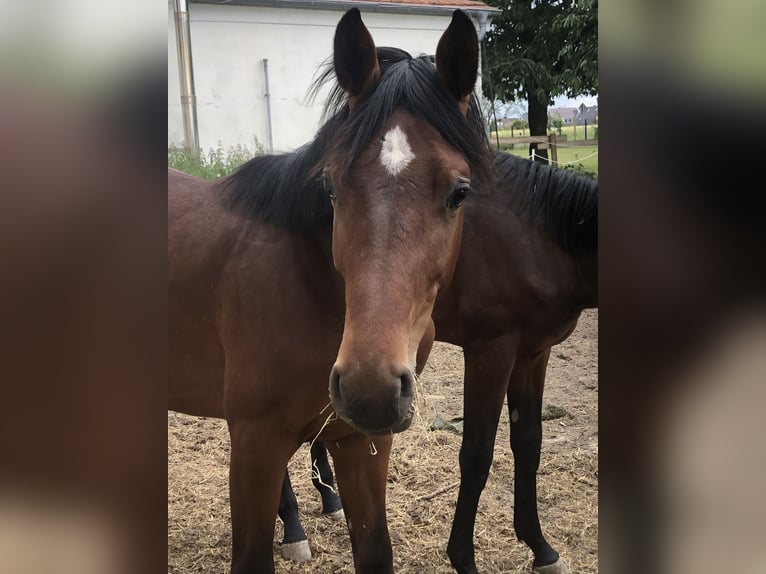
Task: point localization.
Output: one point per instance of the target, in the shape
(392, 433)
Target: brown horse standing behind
(527, 269)
(257, 310)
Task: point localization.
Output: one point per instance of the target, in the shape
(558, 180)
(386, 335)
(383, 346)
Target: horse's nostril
(407, 384)
(335, 383)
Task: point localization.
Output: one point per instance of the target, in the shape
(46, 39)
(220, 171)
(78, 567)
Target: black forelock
(411, 84)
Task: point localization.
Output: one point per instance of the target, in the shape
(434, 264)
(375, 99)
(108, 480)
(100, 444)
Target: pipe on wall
(268, 104)
(483, 23)
(186, 72)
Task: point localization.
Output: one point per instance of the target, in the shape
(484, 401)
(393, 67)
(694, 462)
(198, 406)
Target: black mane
(283, 189)
(286, 189)
(566, 201)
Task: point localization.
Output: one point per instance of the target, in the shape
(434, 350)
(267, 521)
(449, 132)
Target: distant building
(587, 113)
(506, 122)
(567, 115)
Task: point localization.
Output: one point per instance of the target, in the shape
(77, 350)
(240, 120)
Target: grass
(569, 157)
(581, 159)
(216, 163)
(565, 130)
(550, 412)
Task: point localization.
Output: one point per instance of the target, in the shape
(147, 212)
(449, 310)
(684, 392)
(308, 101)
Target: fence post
(554, 152)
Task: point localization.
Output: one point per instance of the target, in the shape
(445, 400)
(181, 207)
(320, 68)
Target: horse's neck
(587, 274)
(584, 287)
(323, 240)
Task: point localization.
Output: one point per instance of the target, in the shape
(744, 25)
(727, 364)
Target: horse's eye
(458, 195)
(327, 185)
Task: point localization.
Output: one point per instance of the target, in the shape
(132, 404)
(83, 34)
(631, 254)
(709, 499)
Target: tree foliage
(556, 122)
(580, 51)
(519, 125)
(537, 49)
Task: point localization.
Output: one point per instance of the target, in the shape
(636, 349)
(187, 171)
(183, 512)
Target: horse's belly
(195, 384)
(195, 354)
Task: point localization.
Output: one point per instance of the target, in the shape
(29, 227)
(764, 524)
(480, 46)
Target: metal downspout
(268, 104)
(186, 73)
(483, 21)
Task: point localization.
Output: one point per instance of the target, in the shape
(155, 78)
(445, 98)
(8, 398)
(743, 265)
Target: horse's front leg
(487, 370)
(525, 400)
(258, 462)
(361, 467)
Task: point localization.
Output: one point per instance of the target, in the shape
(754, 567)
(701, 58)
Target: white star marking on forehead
(396, 154)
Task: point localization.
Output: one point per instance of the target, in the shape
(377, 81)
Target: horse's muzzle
(373, 400)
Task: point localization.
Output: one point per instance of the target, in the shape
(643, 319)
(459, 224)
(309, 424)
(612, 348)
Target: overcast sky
(515, 109)
(564, 102)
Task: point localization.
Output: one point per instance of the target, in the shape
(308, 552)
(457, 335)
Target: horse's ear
(354, 56)
(457, 56)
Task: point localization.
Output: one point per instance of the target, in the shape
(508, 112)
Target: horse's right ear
(354, 56)
(457, 57)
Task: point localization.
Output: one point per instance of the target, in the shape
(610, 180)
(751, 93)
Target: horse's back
(200, 235)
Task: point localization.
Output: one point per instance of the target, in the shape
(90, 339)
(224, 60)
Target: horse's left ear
(457, 56)
(354, 55)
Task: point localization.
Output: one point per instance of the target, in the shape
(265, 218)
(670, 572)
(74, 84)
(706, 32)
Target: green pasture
(567, 156)
(565, 130)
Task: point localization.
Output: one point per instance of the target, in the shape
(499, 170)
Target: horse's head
(398, 172)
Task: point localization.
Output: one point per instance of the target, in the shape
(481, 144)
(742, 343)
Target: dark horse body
(326, 261)
(527, 268)
(519, 289)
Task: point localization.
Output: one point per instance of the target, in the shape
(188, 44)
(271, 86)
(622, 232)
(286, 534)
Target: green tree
(519, 125)
(537, 49)
(556, 122)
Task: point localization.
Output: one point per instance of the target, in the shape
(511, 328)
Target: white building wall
(229, 44)
(175, 120)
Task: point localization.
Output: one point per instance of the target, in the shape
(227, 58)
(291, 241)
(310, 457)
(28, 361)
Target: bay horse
(527, 269)
(325, 261)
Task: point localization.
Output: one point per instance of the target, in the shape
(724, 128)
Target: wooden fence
(551, 141)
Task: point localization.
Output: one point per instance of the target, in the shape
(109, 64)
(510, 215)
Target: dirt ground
(422, 461)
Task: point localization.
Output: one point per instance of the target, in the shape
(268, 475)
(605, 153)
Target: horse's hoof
(337, 515)
(297, 551)
(558, 567)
